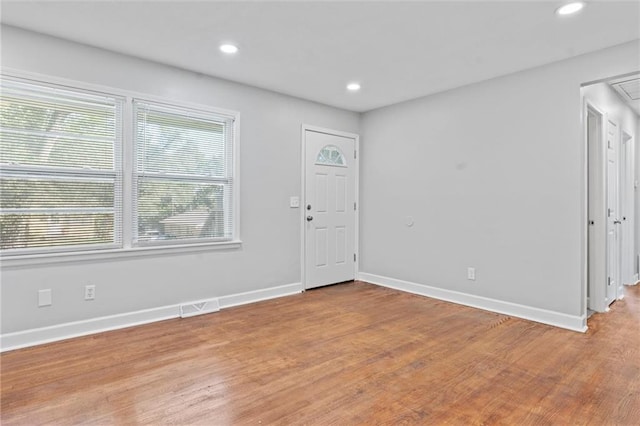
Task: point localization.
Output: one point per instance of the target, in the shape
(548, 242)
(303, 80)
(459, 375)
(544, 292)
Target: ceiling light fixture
(353, 87)
(570, 8)
(228, 48)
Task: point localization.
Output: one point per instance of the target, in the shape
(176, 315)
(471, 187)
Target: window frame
(201, 113)
(74, 174)
(126, 248)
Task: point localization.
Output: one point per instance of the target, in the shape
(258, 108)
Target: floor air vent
(198, 308)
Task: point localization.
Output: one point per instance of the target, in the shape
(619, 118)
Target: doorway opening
(611, 123)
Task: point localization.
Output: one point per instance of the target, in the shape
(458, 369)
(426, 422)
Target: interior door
(329, 209)
(597, 205)
(613, 219)
(627, 211)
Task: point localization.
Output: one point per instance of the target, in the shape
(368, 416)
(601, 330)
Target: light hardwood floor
(348, 354)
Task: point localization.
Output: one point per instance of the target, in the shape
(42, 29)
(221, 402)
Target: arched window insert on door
(330, 155)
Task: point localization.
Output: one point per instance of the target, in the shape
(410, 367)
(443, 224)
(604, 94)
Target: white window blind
(183, 178)
(60, 169)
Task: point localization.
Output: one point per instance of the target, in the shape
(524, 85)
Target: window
(330, 155)
(66, 155)
(183, 174)
(60, 174)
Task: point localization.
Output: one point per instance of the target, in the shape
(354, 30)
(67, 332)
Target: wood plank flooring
(348, 354)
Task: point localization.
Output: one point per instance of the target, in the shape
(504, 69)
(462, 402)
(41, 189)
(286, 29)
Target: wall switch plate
(44, 297)
(471, 274)
(294, 202)
(89, 292)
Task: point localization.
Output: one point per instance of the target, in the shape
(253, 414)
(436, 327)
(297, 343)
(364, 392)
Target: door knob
(309, 218)
(616, 222)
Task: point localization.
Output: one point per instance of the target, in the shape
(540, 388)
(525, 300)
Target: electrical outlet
(44, 297)
(89, 292)
(471, 274)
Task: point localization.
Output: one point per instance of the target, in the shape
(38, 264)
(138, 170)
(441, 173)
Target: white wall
(269, 174)
(607, 100)
(493, 175)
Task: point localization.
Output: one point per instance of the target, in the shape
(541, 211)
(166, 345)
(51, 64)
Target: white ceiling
(397, 50)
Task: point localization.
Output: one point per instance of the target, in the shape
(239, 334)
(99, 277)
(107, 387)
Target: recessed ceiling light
(228, 48)
(570, 8)
(353, 87)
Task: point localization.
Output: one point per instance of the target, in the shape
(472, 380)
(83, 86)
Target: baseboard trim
(259, 295)
(557, 319)
(69, 330)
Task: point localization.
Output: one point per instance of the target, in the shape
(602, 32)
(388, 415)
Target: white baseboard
(39, 336)
(558, 319)
(258, 295)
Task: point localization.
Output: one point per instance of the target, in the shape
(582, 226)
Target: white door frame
(303, 201)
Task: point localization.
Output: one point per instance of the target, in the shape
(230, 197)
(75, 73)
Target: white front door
(613, 213)
(329, 208)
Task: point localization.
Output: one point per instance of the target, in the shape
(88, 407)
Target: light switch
(294, 202)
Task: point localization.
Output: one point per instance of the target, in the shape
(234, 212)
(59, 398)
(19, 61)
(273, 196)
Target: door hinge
(354, 206)
(608, 281)
(354, 257)
(355, 155)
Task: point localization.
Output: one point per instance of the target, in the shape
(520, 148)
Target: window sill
(30, 260)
